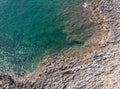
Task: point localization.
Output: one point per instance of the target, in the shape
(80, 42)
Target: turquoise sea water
(31, 29)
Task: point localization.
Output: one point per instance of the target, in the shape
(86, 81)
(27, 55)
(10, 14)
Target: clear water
(31, 29)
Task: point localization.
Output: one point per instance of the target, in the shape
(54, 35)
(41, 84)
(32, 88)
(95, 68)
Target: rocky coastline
(98, 69)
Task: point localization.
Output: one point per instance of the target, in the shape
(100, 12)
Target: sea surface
(33, 29)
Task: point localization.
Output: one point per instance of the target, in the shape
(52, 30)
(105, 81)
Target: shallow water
(32, 29)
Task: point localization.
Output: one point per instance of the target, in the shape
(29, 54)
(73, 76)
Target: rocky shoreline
(99, 69)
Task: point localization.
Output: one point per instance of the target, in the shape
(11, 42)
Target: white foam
(85, 5)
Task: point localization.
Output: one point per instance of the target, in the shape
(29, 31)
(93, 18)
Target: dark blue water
(31, 29)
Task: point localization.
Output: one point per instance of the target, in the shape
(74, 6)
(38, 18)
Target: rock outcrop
(98, 70)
